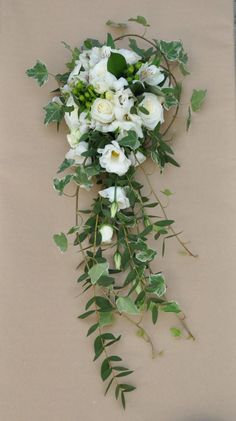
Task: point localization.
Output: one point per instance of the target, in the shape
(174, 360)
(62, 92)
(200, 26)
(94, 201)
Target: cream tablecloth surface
(47, 372)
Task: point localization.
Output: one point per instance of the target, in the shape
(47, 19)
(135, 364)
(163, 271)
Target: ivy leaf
(116, 24)
(171, 49)
(170, 307)
(116, 64)
(67, 163)
(81, 177)
(131, 141)
(167, 192)
(96, 271)
(189, 119)
(126, 305)
(146, 54)
(89, 43)
(197, 99)
(157, 284)
(61, 241)
(110, 41)
(39, 72)
(140, 19)
(146, 255)
(54, 112)
(60, 183)
(175, 332)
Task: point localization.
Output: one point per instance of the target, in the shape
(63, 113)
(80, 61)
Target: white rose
(113, 159)
(137, 158)
(151, 74)
(102, 111)
(130, 56)
(100, 78)
(71, 118)
(116, 194)
(153, 105)
(106, 232)
(76, 154)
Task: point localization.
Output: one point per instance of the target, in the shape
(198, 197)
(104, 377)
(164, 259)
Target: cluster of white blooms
(105, 103)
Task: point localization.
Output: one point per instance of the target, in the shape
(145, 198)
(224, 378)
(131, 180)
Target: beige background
(46, 368)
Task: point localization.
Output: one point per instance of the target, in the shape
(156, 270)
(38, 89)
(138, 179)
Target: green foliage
(130, 141)
(157, 284)
(61, 241)
(60, 183)
(141, 20)
(119, 25)
(54, 112)
(170, 307)
(197, 98)
(110, 41)
(39, 72)
(97, 271)
(116, 64)
(175, 332)
(126, 305)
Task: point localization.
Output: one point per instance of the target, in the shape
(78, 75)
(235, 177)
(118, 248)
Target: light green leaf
(141, 20)
(197, 98)
(167, 192)
(113, 24)
(116, 64)
(170, 307)
(39, 72)
(131, 141)
(145, 255)
(54, 112)
(126, 305)
(175, 332)
(96, 271)
(106, 319)
(157, 284)
(61, 241)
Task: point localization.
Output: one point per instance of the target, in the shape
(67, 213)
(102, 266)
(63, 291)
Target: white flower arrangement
(118, 105)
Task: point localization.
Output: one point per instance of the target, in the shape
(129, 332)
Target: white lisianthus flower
(106, 232)
(102, 111)
(113, 159)
(151, 74)
(155, 109)
(130, 56)
(76, 154)
(116, 194)
(71, 118)
(137, 158)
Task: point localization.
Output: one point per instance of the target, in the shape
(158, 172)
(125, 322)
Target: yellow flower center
(115, 154)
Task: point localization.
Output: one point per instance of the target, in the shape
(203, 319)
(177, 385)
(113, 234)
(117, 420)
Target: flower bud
(117, 260)
(114, 208)
(146, 221)
(81, 98)
(130, 69)
(106, 232)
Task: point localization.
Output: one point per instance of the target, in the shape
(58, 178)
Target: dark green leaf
(86, 314)
(116, 64)
(54, 112)
(110, 41)
(39, 72)
(92, 329)
(67, 163)
(131, 140)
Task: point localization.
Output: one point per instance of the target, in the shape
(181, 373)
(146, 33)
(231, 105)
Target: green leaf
(175, 332)
(67, 163)
(170, 307)
(116, 64)
(89, 43)
(171, 49)
(131, 140)
(96, 271)
(154, 314)
(157, 284)
(38, 72)
(146, 54)
(146, 255)
(92, 329)
(103, 304)
(116, 24)
(105, 369)
(164, 223)
(189, 119)
(167, 192)
(197, 99)
(60, 183)
(106, 319)
(86, 314)
(126, 305)
(110, 41)
(81, 177)
(61, 241)
(54, 112)
(143, 110)
(141, 20)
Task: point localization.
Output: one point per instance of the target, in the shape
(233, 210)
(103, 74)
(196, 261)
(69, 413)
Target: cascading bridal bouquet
(119, 104)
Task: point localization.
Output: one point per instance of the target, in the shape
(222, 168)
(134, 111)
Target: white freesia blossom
(137, 158)
(106, 232)
(116, 194)
(76, 154)
(130, 56)
(102, 111)
(151, 74)
(155, 109)
(71, 118)
(113, 159)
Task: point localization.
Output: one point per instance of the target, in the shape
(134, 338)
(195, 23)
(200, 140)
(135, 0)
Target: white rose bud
(114, 209)
(106, 232)
(117, 260)
(102, 110)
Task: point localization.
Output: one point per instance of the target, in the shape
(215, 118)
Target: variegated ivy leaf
(39, 72)
(140, 19)
(54, 112)
(96, 271)
(60, 183)
(116, 24)
(126, 305)
(157, 284)
(146, 255)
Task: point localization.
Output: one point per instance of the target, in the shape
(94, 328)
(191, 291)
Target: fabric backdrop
(47, 371)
